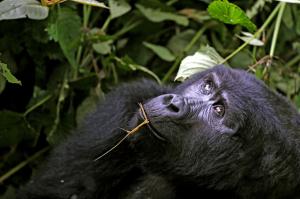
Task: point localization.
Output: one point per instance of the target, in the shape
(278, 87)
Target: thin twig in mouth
(134, 130)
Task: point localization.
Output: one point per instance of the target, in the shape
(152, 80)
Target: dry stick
(146, 121)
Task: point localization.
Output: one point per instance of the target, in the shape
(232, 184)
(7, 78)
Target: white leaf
(91, 3)
(202, 60)
(290, 1)
(250, 37)
(15, 9)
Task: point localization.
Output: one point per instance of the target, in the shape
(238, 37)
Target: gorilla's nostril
(172, 102)
(167, 100)
(173, 108)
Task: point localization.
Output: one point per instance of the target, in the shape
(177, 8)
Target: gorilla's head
(215, 127)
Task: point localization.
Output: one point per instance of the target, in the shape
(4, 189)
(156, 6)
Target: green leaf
(4, 70)
(230, 13)
(64, 28)
(161, 51)
(13, 128)
(179, 41)
(288, 17)
(118, 8)
(204, 59)
(155, 15)
(103, 47)
(16, 9)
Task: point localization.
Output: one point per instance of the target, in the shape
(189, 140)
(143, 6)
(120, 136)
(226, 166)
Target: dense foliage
(53, 71)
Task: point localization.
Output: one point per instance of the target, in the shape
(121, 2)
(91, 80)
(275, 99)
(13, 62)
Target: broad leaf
(155, 15)
(103, 47)
(204, 59)
(230, 13)
(161, 51)
(13, 128)
(65, 29)
(16, 9)
(118, 8)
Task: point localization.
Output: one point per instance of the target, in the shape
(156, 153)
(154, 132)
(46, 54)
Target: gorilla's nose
(173, 103)
(167, 105)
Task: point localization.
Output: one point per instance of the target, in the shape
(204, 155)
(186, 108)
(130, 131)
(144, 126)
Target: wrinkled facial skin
(203, 102)
(203, 122)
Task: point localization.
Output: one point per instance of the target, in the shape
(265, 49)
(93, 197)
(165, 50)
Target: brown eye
(219, 109)
(207, 86)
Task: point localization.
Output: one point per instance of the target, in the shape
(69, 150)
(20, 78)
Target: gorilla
(220, 134)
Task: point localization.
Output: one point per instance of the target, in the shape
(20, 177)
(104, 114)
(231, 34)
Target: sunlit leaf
(4, 70)
(250, 37)
(16, 9)
(155, 15)
(91, 3)
(118, 8)
(86, 2)
(290, 1)
(160, 51)
(230, 13)
(205, 58)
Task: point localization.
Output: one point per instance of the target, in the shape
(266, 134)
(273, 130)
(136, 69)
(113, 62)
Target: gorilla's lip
(152, 129)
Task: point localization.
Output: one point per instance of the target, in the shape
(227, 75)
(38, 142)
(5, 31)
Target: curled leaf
(248, 37)
(4, 70)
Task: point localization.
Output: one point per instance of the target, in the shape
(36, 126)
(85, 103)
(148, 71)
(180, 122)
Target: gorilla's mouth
(152, 129)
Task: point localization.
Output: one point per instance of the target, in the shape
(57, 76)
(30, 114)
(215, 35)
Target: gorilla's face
(212, 103)
(205, 121)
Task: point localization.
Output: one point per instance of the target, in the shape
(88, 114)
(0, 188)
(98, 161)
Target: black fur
(249, 151)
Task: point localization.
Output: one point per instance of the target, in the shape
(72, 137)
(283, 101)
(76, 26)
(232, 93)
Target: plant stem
(22, 164)
(86, 15)
(256, 35)
(41, 102)
(106, 23)
(293, 61)
(277, 27)
(126, 29)
(186, 49)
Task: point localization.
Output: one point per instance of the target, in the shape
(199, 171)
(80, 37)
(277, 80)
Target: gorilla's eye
(207, 86)
(219, 110)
